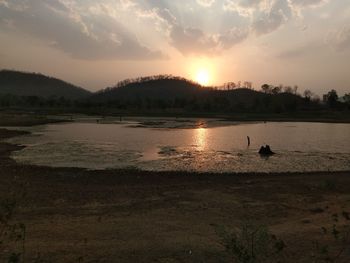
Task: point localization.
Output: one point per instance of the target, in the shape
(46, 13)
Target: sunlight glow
(202, 70)
(203, 77)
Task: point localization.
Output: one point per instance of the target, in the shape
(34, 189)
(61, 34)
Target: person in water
(248, 139)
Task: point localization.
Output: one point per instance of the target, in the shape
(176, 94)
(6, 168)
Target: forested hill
(156, 87)
(33, 84)
(168, 92)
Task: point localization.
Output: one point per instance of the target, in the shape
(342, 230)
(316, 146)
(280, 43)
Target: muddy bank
(6, 148)
(25, 119)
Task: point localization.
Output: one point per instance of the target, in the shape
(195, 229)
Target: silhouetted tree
(332, 98)
(276, 90)
(229, 85)
(288, 89)
(307, 95)
(265, 88)
(346, 98)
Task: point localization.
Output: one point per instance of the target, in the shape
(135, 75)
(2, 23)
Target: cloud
(4, 3)
(265, 16)
(195, 41)
(120, 29)
(206, 3)
(272, 18)
(80, 33)
(269, 16)
(14, 4)
(186, 39)
(339, 39)
(192, 40)
(301, 51)
(232, 37)
(307, 3)
(299, 5)
(244, 8)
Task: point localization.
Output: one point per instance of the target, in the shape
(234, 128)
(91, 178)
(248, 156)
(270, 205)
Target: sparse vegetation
(328, 184)
(12, 231)
(335, 242)
(251, 243)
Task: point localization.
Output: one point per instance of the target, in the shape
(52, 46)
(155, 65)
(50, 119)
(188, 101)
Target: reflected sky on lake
(92, 145)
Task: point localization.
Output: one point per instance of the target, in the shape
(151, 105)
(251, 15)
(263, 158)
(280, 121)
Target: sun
(203, 77)
(202, 70)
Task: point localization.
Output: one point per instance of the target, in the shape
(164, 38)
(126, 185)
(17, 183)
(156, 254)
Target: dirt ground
(74, 215)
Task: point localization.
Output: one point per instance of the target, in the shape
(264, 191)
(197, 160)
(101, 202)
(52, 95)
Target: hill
(32, 84)
(161, 93)
(168, 92)
(155, 87)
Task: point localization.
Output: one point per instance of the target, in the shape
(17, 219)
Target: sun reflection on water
(200, 138)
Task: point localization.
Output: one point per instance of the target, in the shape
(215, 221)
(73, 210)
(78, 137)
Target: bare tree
(308, 94)
(288, 89)
(295, 89)
(248, 84)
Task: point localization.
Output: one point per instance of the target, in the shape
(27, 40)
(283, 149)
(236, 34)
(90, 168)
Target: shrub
(251, 243)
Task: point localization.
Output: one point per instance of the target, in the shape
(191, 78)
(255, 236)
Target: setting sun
(203, 77)
(202, 70)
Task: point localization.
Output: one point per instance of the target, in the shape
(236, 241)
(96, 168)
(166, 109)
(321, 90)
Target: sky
(95, 44)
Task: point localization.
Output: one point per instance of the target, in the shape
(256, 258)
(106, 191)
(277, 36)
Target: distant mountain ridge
(154, 93)
(33, 84)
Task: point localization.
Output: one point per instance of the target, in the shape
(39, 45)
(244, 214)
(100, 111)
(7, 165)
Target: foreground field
(73, 215)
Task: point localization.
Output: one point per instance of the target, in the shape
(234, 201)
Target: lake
(187, 144)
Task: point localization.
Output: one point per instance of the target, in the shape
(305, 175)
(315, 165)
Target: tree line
(134, 94)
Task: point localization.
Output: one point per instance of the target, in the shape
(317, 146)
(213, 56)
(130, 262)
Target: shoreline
(27, 118)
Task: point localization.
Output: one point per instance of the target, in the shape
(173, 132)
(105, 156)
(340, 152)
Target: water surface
(213, 148)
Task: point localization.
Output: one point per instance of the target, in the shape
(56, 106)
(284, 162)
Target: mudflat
(76, 215)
